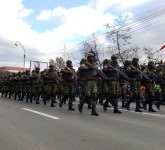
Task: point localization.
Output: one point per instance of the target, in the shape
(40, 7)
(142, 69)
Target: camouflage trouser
(36, 90)
(163, 92)
(50, 88)
(49, 92)
(28, 90)
(135, 94)
(69, 88)
(17, 91)
(112, 91)
(135, 86)
(91, 91)
(112, 88)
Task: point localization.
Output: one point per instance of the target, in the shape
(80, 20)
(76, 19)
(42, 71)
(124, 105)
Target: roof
(13, 69)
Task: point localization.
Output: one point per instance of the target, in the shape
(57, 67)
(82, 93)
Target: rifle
(158, 79)
(121, 73)
(142, 74)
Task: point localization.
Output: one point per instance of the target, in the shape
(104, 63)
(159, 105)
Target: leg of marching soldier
(93, 96)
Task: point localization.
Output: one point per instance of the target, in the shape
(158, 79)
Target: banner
(162, 47)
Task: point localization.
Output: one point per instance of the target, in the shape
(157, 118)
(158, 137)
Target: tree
(59, 63)
(152, 54)
(119, 36)
(95, 47)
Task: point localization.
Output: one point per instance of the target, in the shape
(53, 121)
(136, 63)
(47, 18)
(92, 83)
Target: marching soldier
(68, 85)
(160, 70)
(25, 85)
(91, 76)
(50, 78)
(36, 85)
(133, 71)
(150, 71)
(112, 87)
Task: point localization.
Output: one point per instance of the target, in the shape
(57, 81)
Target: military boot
(31, 99)
(116, 110)
(80, 107)
(105, 105)
(52, 104)
(137, 109)
(70, 107)
(150, 109)
(9, 96)
(94, 113)
(144, 104)
(44, 101)
(37, 100)
(127, 105)
(157, 105)
(61, 103)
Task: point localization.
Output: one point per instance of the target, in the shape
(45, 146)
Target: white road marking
(40, 113)
(145, 113)
(151, 114)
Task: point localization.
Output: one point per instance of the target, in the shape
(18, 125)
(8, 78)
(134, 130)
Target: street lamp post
(17, 43)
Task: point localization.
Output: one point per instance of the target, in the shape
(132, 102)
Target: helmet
(150, 63)
(114, 56)
(127, 63)
(90, 55)
(27, 72)
(135, 59)
(68, 62)
(82, 60)
(51, 66)
(105, 61)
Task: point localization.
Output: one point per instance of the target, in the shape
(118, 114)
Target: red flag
(162, 47)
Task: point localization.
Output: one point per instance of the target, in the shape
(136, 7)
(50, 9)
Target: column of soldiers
(92, 86)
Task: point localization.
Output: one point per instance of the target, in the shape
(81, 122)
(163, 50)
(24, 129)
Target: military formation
(132, 83)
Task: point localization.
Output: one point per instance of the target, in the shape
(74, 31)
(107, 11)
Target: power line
(136, 23)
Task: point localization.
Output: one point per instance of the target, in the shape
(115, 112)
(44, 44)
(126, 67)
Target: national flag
(162, 47)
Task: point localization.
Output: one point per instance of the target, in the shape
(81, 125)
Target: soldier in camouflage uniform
(36, 85)
(90, 72)
(112, 87)
(133, 71)
(11, 85)
(26, 85)
(5, 85)
(68, 85)
(51, 81)
(150, 71)
(17, 82)
(81, 83)
(160, 70)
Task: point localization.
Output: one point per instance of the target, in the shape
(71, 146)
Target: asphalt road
(26, 126)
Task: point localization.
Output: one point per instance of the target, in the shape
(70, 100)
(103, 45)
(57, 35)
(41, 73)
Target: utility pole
(17, 43)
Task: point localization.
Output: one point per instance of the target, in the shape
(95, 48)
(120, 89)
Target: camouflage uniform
(36, 85)
(68, 85)
(135, 83)
(112, 87)
(17, 82)
(26, 85)
(50, 78)
(90, 89)
(161, 72)
(150, 86)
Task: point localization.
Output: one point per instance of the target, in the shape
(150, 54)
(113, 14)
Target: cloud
(44, 15)
(74, 22)
(25, 13)
(103, 5)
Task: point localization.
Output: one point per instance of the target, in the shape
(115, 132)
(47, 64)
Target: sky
(45, 29)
